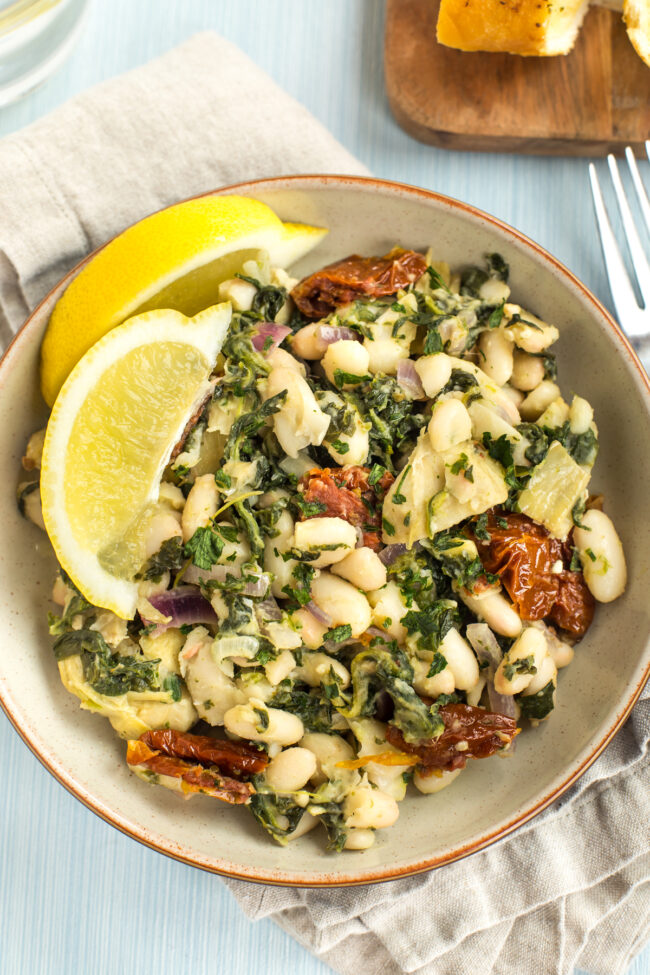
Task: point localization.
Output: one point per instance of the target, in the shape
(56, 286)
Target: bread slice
(636, 14)
(528, 27)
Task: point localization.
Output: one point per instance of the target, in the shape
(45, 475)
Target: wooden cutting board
(592, 101)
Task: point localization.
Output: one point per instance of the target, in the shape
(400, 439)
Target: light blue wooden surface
(75, 895)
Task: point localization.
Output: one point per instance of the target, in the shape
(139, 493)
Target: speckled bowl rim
(323, 879)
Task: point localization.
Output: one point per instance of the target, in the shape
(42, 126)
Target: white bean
(474, 695)
(555, 414)
(306, 824)
(329, 750)
(429, 784)
(498, 352)
(33, 508)
(494, 608)
(601, 555)
(239, 293)
(312, 631)
(384, 355)
(290, 770)
(527, 371)
(300, 421)
(308, 344)
(171, 495)
(562, 653)
(434, 372)
(334, 538)
(274, 548)
(276, 670)
(546, 672)
(34, 451)
(531, 643)
(388, 608)
(440, 683)
(450, 424)
(461, 660)
(359, 839)
(580, 415)
(366, 808)
(348, 356)
(494, 291)
(539, 399)
(533, 337)
(281, 359)
(315, 669)
(342, 602)
(257, 722)
(162, 526)
(357, 443)
(363, 568)
(201, 505)
(514, 395)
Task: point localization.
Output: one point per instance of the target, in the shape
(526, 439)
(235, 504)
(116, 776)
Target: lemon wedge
(175, 258)
(110, 436)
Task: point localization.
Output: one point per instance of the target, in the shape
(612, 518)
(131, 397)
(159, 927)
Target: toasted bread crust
(636, 14)
(540, 28)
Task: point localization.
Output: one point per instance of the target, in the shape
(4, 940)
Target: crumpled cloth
(572, 887)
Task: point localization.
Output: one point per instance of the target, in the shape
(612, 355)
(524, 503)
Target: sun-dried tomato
(574, 607)
(193, 778)
(523, 555)
(342, 282)
(345, 493)
(483, 732)
(234, 757)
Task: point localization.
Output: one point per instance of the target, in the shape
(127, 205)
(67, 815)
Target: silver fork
(634, 318)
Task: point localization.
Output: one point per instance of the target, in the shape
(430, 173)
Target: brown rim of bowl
(279, 877)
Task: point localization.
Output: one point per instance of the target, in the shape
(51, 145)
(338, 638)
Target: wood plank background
(592, 101)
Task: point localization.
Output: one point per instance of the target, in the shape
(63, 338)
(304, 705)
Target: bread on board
(532, 27)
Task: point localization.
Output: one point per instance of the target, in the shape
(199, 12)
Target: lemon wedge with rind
(175, 258)
(109, 438)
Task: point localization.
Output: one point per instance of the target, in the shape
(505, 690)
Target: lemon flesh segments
(109, 439)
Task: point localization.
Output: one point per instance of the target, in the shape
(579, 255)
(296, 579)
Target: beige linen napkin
(572, 888)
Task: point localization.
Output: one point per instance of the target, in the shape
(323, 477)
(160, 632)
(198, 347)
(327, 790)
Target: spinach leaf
(332, 818)
(109, 673)
(538, 705)
(168, 559)
(308, 704)
(278, 815)
(206, 545)
(61, 624)
(432, 625)
(269, 299)
(375, 670)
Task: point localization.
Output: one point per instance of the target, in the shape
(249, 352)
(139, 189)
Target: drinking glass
(36, 36)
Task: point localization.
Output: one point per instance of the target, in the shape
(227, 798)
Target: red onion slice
(318, 614)
(501, 703)
(269, 330)
(409, 380)
(392, 552)
(328, 334)
(184, 605)
(485, 645)
(220, 573)
(268, 610)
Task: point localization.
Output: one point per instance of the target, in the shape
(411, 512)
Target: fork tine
(639, 260)
(619, 282)
(638, 184)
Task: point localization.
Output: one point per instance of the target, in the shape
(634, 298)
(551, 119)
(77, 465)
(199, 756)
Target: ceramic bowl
(490, 798)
